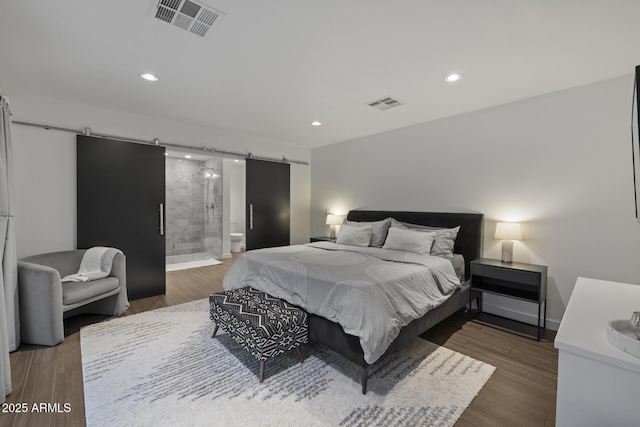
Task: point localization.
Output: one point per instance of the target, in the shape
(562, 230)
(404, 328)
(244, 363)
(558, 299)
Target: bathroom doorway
(194, 210)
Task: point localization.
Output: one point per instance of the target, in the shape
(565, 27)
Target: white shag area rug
(162, 368)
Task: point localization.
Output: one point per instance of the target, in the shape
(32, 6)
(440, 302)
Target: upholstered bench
(265, 326)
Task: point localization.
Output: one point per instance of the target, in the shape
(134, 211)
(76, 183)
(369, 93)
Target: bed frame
(468, 243)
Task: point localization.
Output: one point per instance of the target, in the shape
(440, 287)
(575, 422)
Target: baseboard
(518, 315)
(227, 255)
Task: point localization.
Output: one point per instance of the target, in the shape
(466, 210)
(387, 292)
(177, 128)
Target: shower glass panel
(213, 206)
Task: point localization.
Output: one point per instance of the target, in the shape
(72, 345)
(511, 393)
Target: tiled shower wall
(185, 186)
(194, 206)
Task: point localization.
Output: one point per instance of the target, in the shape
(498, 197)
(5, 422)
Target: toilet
(236, 241)
(236, 238)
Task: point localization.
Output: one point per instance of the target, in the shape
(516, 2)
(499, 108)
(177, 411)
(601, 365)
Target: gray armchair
(45, 301)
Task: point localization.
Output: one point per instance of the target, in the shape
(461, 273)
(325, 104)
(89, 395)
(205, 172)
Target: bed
(292, 273)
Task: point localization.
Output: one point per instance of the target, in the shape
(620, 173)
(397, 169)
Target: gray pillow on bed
(419, 242)
(379, 230)
(354, 236)
(444, 241)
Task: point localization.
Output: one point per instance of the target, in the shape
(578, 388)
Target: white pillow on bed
(378, 230)
(354, 236)
(445, 238)
(419, 242)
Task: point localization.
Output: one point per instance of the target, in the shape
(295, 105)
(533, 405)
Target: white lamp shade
(335, 219)
(508, 231)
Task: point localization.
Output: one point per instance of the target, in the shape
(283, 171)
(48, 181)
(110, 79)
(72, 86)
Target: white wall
(559, 163)
(45, 165)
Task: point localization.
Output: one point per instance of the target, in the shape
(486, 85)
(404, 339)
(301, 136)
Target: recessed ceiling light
(149, 77)
(187, 156)
(453, 77)
(316, 123)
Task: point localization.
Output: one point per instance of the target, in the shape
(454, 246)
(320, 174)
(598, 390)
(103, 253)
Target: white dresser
(598, 384)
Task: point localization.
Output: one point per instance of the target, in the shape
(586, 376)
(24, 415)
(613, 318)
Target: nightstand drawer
(524, 277)
(506, 287)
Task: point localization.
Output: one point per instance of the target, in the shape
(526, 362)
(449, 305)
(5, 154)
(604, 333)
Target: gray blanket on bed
(371, 292)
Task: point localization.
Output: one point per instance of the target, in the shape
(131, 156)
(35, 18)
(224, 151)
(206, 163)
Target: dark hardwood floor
(522, 391)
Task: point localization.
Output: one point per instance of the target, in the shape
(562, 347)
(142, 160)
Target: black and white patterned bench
(265, 326)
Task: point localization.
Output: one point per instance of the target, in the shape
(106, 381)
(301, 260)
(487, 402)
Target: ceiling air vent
(195, 17)
(385, 103)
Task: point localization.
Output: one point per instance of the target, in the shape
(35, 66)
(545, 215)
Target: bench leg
(365, 377)
(261, 370)
(299, 354)
(215, 331)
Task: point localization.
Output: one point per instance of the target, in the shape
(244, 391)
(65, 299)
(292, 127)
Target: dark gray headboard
(468, 242)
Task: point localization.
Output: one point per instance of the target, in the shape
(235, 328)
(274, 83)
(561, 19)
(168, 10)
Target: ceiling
(272, 67)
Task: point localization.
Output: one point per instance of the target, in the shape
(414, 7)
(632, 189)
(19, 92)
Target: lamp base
(507, 251)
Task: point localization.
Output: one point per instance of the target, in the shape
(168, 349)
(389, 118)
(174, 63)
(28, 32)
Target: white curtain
(9, 315)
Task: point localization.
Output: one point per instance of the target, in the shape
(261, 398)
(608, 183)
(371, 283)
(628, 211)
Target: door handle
(251, 216)
(161, 219)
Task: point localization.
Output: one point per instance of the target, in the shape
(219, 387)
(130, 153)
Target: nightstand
(323, 239)
(526, 282)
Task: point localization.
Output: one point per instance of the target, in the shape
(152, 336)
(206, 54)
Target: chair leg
(261, 370)
(299, 354)
(215, 331)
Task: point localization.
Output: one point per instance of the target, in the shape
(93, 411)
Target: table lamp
(508, 232)
(334, 222)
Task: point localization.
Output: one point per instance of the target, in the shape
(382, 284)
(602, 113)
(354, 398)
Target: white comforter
(372, 293)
